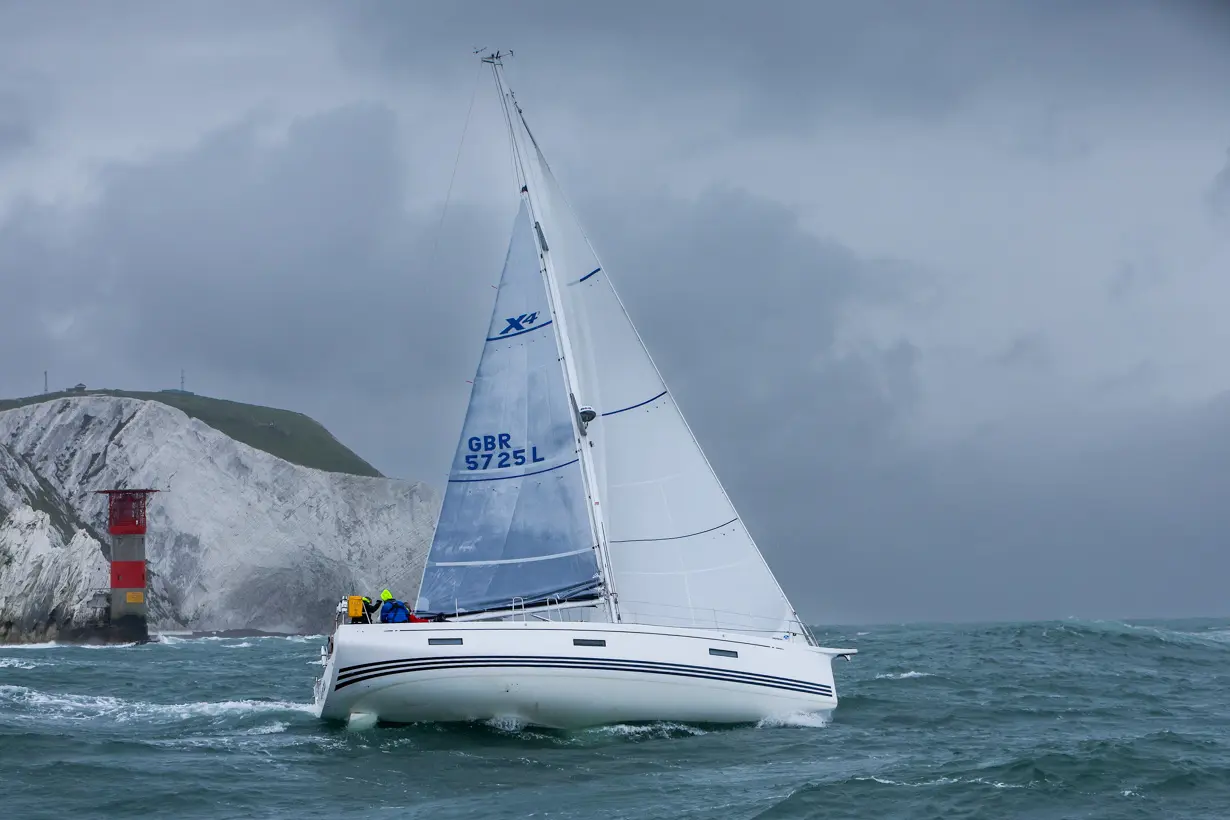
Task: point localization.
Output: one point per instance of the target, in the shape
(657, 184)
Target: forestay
(679, 552)
(514, 522)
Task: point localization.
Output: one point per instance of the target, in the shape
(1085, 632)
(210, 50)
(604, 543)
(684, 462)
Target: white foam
(1217, 636)
(55, 645)
(506, 724)
(360, 721)
(660, 729)
(87, 707)
(244, 645)
(183, 637)
(942, 781)
(903, 675)
(1220, 636)
(260, 738)
(271, 729)
(18, 663)
(798, 720)
(50, 645)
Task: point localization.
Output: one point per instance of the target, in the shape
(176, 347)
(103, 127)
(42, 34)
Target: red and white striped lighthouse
(126, 523)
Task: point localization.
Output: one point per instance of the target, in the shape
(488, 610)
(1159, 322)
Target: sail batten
(634, 406)
(676, 537)
(511, 477)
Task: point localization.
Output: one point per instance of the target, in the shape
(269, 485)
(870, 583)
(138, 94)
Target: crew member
(369, 607)
(393, 611)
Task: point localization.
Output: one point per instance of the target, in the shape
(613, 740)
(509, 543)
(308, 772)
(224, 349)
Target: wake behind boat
(587, 566)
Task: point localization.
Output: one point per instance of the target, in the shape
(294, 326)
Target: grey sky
(939, 286)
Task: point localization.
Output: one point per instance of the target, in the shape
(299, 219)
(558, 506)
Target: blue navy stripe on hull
(370, 671)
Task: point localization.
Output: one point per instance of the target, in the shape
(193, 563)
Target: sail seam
(518, 332)
(672, 537)
(506, 477)
(633, 407)
(509, 560)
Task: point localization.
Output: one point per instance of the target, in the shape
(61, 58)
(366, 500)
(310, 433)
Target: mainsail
(514, 526)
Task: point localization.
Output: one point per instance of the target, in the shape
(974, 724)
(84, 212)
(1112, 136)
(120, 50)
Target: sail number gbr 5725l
(496, 453)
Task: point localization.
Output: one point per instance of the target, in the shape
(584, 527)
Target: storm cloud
(940, 288)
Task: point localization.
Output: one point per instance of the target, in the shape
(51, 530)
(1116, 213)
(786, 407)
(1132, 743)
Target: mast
(508, 105)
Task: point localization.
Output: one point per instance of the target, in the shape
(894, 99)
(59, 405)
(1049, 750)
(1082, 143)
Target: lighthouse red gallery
(126, 522)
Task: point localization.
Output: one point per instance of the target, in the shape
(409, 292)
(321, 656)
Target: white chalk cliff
(239, 539)
(50, 565)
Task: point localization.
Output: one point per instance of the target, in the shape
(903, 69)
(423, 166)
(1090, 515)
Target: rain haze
(940, 287)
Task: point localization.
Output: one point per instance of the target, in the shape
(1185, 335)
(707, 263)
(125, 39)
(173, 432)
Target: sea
(1064, 719)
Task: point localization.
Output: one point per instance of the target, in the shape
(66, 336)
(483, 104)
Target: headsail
(679, 552)
(514, 523)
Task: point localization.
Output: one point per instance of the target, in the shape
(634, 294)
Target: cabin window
(444, 641)
(724, 653)
(588, 642)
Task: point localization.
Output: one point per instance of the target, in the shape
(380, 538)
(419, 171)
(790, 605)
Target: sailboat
(587, 566)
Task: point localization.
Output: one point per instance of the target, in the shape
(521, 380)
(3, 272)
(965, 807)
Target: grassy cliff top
(282, 433)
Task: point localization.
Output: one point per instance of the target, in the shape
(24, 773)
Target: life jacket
(394, 612)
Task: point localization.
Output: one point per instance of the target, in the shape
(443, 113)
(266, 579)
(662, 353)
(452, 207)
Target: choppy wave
(1103, 634)
(77, 707)
(1100, 719)
(69, 646)
(1087, 776)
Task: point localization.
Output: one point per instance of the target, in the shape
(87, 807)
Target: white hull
(554, 674)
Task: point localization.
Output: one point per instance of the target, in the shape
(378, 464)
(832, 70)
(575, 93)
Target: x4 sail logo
(519, 323)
